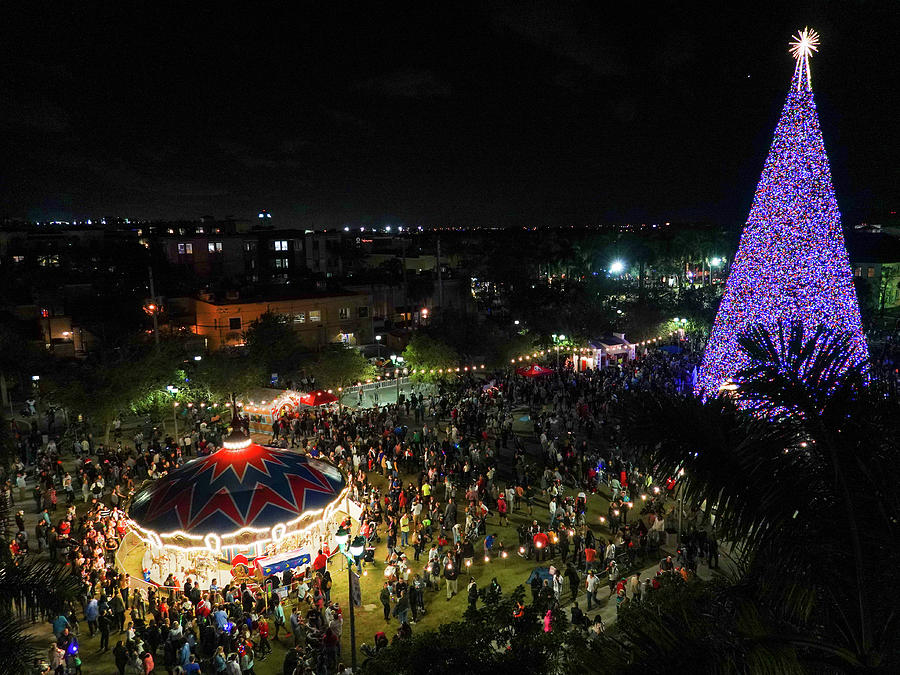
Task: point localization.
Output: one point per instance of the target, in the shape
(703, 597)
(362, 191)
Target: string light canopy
(792, 264)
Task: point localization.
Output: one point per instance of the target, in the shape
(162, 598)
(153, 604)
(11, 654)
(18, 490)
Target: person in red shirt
(590, 555)
(501, 510)
(264, 646)
(204, 607)
(320, 562)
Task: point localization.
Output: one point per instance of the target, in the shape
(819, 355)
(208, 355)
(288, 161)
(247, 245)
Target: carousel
(244, 508)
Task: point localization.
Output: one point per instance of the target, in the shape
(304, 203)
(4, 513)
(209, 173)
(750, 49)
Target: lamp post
(174, 391)
(356, 549)
(353, 551)
(558, 339)
(398, 373)
(378, 342)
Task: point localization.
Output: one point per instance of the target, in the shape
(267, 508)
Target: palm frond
(19, 649)
(41, 584)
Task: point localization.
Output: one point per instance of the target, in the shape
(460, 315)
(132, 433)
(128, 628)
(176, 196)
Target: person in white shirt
(592, 584)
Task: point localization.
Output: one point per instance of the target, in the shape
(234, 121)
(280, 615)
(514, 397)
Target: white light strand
(158, 540)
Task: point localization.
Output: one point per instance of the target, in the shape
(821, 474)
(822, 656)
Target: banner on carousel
(275, 564)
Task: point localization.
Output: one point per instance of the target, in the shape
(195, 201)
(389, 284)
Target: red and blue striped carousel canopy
(255, 486)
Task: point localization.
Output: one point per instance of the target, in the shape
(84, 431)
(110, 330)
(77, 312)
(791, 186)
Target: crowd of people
(446, 485)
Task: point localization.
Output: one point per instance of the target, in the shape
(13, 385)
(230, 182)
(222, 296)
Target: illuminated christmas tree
(792, 263)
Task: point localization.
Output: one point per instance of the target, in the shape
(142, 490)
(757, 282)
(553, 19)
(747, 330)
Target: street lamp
(617, 267)
(557, 339)
(397, 374)
(174, 391)
(357, 546)
(378, 342)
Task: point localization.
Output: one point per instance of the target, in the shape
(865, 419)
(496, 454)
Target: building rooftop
(271, 294)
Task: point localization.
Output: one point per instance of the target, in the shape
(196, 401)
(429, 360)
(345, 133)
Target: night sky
(454, 113)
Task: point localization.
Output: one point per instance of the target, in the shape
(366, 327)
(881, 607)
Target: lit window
(200, 229)
(344, 312)
(215, 247)
(234, 323)
(185, 249)
(315, 315)
(282, 263)
(18, 258)
(870, 272)
(281, 245)
(250, 246)
(300, 317)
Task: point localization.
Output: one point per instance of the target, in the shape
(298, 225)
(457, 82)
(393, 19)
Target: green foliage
(38, 584)
(111, 382)
(272, 341)
(428, 353)
(700, 626)
(222, 373)
(486, 641)
(816, 455)
(338, 366)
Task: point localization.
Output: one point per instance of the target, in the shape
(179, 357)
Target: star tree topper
(806, 42)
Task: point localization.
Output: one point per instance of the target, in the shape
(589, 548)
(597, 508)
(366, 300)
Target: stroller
(370, 532)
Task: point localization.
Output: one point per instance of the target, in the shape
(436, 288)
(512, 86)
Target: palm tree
(800, 469)
(28, 586)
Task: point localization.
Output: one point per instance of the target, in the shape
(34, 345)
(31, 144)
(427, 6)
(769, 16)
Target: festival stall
(265, 406)
(604, 351)
(242, 502)
(317, 398)
(534, 370)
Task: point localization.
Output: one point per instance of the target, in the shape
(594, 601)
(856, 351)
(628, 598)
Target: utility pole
(155, 311)
(405, 286)
(440, 278)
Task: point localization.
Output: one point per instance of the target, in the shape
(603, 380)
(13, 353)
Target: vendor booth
(265, 406)
(534, 370)
(604, 351)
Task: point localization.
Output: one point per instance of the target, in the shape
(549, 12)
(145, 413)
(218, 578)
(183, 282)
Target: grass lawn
(510, 572)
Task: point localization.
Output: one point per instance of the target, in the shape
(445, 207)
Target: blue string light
(792, 262)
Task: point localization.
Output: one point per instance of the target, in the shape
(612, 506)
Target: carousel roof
(252, 486)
